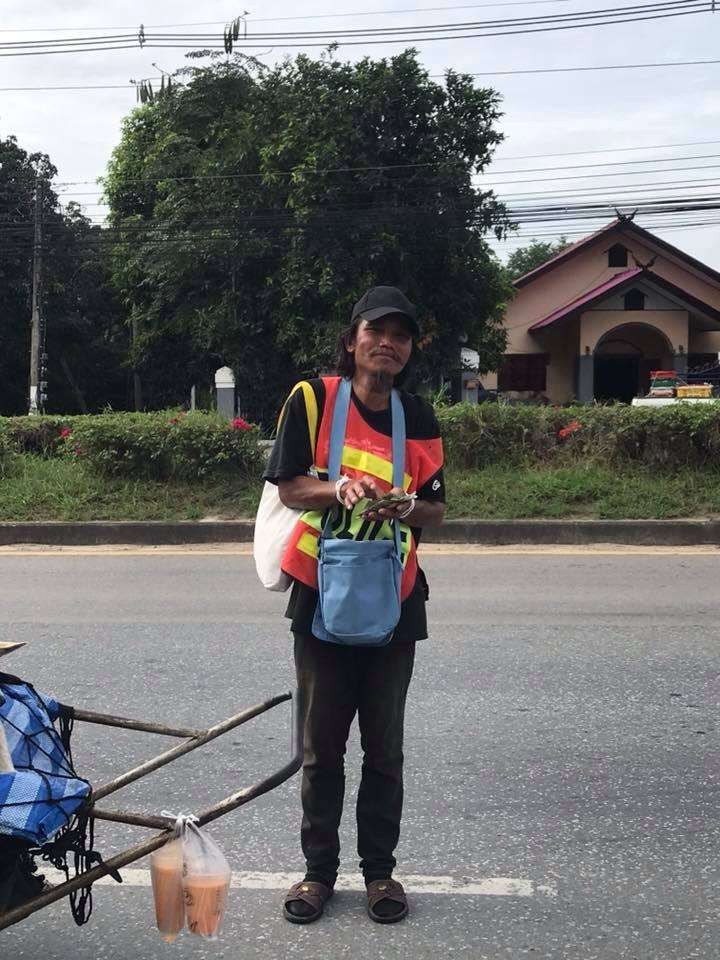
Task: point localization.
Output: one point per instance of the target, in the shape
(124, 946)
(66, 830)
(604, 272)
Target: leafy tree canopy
(537, 252)
(251, 206)
(85, 340)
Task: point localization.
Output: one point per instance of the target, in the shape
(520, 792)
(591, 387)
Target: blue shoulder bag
(359, 580)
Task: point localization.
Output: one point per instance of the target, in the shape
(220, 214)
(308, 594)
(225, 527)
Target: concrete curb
(146, 532)
(492, 532)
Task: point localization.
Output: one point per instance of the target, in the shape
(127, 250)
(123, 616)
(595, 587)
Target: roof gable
(621, 225)
(621, 280)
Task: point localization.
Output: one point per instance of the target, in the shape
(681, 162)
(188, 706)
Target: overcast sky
(545, 114)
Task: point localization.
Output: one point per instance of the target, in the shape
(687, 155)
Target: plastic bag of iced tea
(166, 872)
(205, 881)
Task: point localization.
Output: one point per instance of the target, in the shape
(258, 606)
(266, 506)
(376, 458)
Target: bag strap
(398, 439)
(337, 428)
(398, 457)
(337, 442)
(311, 412)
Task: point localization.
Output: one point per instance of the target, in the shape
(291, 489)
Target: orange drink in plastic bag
(205, 901)
(206, 881)
(166, 868)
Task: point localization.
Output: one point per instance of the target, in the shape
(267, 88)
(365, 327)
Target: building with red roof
(592, 322)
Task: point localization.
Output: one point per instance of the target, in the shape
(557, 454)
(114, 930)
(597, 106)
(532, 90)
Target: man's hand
(352, 491)
(393, 512)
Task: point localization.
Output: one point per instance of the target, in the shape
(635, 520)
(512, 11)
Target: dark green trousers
(337, 682)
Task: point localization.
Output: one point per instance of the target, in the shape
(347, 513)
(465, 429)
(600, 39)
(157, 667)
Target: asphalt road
(561, 733)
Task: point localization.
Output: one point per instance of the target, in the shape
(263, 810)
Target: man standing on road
(339, 681)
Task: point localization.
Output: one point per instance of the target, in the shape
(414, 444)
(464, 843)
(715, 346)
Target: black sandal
(386, 890)
(315, 895)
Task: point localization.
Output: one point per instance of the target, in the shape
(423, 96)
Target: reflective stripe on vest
(366, 452)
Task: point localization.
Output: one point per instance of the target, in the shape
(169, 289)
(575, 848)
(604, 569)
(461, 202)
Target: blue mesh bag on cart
(43, 793)
(43, 802)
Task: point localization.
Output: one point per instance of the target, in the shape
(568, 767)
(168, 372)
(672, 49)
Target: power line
(501, 32)
(489, 174)
(607, 163)
(455, 26)
(268, 242)
(88, 49)
(408, 34)
(610, 66)
(616, 173)
(138, 33)
(391, 167)
(281, 218)
(311, 16)
(486, 73)
(100, 86)
(699, 184)
(565, 198)
(274, 173)
(579, 153)
(523, 238)
(531, 156)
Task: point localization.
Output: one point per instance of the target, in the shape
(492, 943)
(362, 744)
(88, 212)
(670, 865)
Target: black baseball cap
(380, 301)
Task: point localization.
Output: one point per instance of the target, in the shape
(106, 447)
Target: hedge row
(172, 445)
(155, 446)
(668, 437)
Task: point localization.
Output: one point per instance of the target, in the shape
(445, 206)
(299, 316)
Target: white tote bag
(273, 525)
(274, 521)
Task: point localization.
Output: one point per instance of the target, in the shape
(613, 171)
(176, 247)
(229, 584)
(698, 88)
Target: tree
(88, 339)
(86, 344)
(537, 252)
(18, 172)
(253, 205)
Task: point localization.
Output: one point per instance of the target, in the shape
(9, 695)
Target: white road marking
(414, 883)
(426, 549)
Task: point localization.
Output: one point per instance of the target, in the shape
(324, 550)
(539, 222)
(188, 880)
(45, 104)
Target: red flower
(570, 428)
(65, 433)
(174, 420)
(239, 424)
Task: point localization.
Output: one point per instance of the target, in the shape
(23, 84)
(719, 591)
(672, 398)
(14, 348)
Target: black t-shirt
(292, 457)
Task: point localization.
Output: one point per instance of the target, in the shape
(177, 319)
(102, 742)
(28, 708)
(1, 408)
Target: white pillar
(225, 392)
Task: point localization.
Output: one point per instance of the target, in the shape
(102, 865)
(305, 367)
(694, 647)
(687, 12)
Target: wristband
(338, 485)
(406, 513)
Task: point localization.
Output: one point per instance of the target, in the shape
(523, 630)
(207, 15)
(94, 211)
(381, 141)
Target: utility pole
(36, 393)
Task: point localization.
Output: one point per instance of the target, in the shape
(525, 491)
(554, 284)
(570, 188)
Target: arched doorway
(624, 358)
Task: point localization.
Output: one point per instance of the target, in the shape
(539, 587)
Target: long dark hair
(345, 358)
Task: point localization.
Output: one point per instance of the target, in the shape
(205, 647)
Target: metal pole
(35, 323)
(186, 747)
(108, 720)
(142, 849)
(234, 800)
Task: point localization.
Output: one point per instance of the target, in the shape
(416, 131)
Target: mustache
(385, 353)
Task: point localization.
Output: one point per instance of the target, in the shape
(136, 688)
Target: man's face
(382, 346)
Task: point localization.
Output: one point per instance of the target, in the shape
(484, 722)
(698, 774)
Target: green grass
(32, 488)
(583, 491)
(36, 489)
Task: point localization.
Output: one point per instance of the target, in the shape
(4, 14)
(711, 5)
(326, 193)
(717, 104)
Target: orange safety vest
(366, 452)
